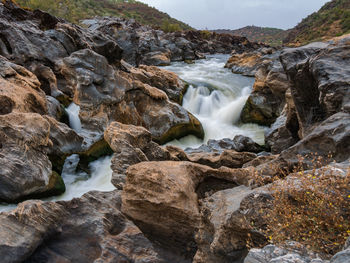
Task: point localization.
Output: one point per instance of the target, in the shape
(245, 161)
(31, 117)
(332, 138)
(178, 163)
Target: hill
(270, 36)
(75, 10)
(332, 20)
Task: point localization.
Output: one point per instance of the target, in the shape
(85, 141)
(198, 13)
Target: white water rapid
(216, 97)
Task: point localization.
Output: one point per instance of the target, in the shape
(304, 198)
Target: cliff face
(332, 20)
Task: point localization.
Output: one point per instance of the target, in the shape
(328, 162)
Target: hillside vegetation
(270, 36)
(332, 20)
(75, 10)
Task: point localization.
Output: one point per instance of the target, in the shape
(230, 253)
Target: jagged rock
(228, 158)
(65, 142)
(162, 79)
(89, 229)
(25, 167)
(267, 100)
(142, 44)
(247, 63)
(330, 137)
(19, 90)
(161, 198)
(294, 252)
(225, 226)
(131, 145)
(239, 143)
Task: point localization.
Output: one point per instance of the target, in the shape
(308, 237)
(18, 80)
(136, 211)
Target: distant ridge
(332, 20)
(75, 10)
(267, 35)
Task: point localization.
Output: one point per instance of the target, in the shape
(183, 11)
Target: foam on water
(216, 97)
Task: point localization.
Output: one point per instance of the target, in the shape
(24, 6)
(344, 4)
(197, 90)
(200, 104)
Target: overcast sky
(233, 14)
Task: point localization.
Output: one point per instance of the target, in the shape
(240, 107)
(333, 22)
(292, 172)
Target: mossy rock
(193, 127)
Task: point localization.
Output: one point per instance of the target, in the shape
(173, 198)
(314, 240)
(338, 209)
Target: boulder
(162, 197)
(26, 170)
(226, 224)
(131, 145)
(267, 100)
(167, 81)
(88, 229)
(247, 63)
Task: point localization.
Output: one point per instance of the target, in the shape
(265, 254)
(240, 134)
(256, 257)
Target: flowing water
(216, 97)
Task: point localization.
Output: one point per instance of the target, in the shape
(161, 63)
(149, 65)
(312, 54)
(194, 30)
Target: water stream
(216, 97)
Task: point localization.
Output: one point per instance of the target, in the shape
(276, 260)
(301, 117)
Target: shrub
(313, 208)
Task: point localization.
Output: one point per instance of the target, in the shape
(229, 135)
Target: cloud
(231, 14)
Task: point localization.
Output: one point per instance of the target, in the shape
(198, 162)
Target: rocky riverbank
(169, 205)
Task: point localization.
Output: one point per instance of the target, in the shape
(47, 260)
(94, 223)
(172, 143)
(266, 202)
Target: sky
(233, 14)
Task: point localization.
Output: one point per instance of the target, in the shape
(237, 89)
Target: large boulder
(131, 145)
(162, 197)
(89, 229)
(229, 220)
(26, 170)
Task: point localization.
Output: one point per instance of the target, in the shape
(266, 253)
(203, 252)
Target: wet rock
(247, 63)
(267, 100)
(131, 145)
(330, 137)
(225, 225)
(162, 79)
(65, 142)
(26, 170)
(156, 58)
(161, 198)
(88, 229)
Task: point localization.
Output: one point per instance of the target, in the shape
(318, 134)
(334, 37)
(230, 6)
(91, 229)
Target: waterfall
(74, 120)
(216, 97)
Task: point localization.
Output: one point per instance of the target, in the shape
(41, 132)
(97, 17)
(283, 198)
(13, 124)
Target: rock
(225, 226)
(156, 58)
(26, 170)
(167, 81)
(144, 45)
(19, 90)
(88, 229)
(131, 145)
(260, 160)
(239, 143)
(267, 100)
(247, 63)
(148, 107)
(161, 198)
(105, 95)
(56, 110)
(294, 252)
(303, 83)
(342, 256)
(65, 142)
(330, 137)
(228, 158)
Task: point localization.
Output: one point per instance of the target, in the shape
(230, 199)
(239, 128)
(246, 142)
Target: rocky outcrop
(144, 45)
(88, 229)
(247, 63)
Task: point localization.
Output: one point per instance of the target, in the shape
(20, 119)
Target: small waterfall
(217, 100)
(74, 120)
(79, 183)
